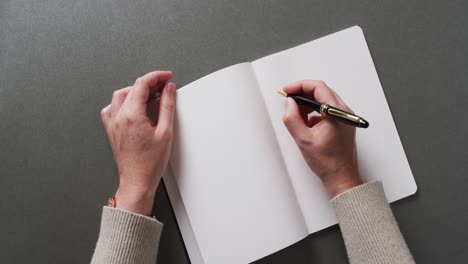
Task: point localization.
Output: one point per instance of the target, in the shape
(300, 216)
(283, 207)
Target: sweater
(369, 229)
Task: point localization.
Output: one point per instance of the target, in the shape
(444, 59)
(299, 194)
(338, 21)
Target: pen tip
(363, 123)
(283, 93)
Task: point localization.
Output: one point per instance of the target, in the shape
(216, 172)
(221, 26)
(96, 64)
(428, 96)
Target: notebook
(237, 181)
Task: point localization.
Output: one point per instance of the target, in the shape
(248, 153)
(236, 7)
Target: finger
(316, 90)
(118, 98)
(105, 116)
(144, 87)
(341, 102)
(294, 122)
(155, 93)
(166, 110)
(314, 120)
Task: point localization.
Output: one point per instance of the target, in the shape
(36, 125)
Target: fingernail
(169, 72)
(171, 88)
(288, 103)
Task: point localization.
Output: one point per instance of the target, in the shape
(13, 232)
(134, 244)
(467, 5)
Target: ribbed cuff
(126, 237)
(369, 229)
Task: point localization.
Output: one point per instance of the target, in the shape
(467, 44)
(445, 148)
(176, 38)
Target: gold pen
(327, 110)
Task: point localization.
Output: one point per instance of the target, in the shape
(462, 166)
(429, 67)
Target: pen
(329, 111)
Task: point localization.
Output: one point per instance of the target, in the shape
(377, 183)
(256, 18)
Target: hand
(141, 148)
(328, 146)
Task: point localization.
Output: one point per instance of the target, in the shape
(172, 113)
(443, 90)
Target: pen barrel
(343, 116)
(306, 102)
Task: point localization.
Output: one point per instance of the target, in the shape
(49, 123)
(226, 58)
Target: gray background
(61, 60)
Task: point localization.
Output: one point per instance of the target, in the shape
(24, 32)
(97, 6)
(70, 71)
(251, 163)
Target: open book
(238, 184)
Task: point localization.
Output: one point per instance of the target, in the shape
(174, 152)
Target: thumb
(166, 110)
(294, 122)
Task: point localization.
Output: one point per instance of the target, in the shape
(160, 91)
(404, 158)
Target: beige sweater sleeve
(369, 229)
(370, 232)
(127, 238)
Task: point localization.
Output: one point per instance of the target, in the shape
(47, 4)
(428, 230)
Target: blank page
(229, 171)
(183, 221)
(343, 61)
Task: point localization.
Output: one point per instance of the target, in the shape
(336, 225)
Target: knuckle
(127, 119)
(117, 94)
(104, 112)
(165, 134)
(305, 83)
(323, 86)
(168, 106)
(303, 142)
(286, 119)
(321, 83)
(144, 80)
(138, 80)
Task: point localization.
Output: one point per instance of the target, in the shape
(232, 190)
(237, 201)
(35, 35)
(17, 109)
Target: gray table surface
(61, 60)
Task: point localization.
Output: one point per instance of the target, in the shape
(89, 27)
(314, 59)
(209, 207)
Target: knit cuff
(126, 237)
(369, 229)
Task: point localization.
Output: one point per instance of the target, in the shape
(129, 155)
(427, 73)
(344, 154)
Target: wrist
(341, 182)
(135, 201)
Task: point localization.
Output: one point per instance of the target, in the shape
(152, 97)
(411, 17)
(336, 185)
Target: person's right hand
(328, 146)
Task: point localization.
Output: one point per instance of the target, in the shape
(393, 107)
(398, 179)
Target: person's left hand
(141, 148)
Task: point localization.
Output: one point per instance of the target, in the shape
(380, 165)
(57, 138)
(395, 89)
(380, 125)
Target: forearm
(369, 229)
(127, 238)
